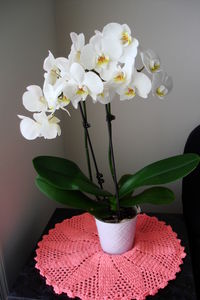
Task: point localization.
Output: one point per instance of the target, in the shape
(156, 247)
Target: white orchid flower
(107, 94)
(106, 46)
(78, 42)
(140, 84)
(43, 126)
(34, 100)
(162, 84)
(101, 55)
(128, 92)
(54, 94)
(55, 68)
(122, 34)
(86, 83)
(151, 61)
(122, 75)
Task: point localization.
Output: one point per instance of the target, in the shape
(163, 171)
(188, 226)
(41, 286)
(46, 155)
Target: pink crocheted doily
(71, 260)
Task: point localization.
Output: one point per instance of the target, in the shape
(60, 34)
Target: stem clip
(86, 125)
(110, 117)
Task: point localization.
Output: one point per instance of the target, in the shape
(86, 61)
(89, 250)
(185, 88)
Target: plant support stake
(86, 125)
(86, 145)
(109, 119)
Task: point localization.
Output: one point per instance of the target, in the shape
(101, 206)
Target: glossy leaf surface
(65, 174)
(73, 199)
(154, 195)
(160, 172)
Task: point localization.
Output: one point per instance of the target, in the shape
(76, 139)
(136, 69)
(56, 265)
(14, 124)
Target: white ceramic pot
(116, 238)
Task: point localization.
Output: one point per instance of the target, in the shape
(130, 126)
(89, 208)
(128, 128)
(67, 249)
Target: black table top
(30, 285)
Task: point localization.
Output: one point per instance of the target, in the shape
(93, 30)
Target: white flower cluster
(102, 68)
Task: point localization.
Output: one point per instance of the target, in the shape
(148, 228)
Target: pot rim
(137, 210)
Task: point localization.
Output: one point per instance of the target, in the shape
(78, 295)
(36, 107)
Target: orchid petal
(112, 29)
(77, 72)
(88, 57)
(50, 129)
(47, 125)
(126, 28)
(128, 68)
(69, 91)
(74, 56)
(48, 62)
(59, 86)
(112, 48)
(142, 84)
(93, 82)
(104, 97)
(81, 41)
(78, 40)
(33, 99)
(127, 92)
(96, 42)
(130, 52)
(29, 128)
(161, 84)
(151, 61)
(52, 92)
(63, 64)
(51, 77)
(108, 73)
(74, 37)
(75, 101)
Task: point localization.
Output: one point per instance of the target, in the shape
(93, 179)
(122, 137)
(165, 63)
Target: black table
(30, 285)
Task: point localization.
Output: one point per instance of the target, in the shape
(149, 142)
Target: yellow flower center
(154, 65)
(120, 77)
(54, 75)
(78, 55)
(130, 92)
(102, 60)
(126, 38)
(43, 100)
(101, 95)
(64, 99)
(81, 91)
(161, 91)
(52, 119)
(55, 72)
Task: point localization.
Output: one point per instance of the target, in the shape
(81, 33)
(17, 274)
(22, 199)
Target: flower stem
(86, 145)
(109, 148)
(86, 125)
(109, 119)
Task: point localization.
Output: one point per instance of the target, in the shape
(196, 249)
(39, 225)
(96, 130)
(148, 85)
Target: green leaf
(73, 199)
(155, 195)
(65, 174)
(123, 179)
(113, 203)
(161, 172)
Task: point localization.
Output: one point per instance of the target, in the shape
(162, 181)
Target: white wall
(27, 31)
(144, 131)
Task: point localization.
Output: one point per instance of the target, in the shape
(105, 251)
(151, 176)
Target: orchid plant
(99, 70)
